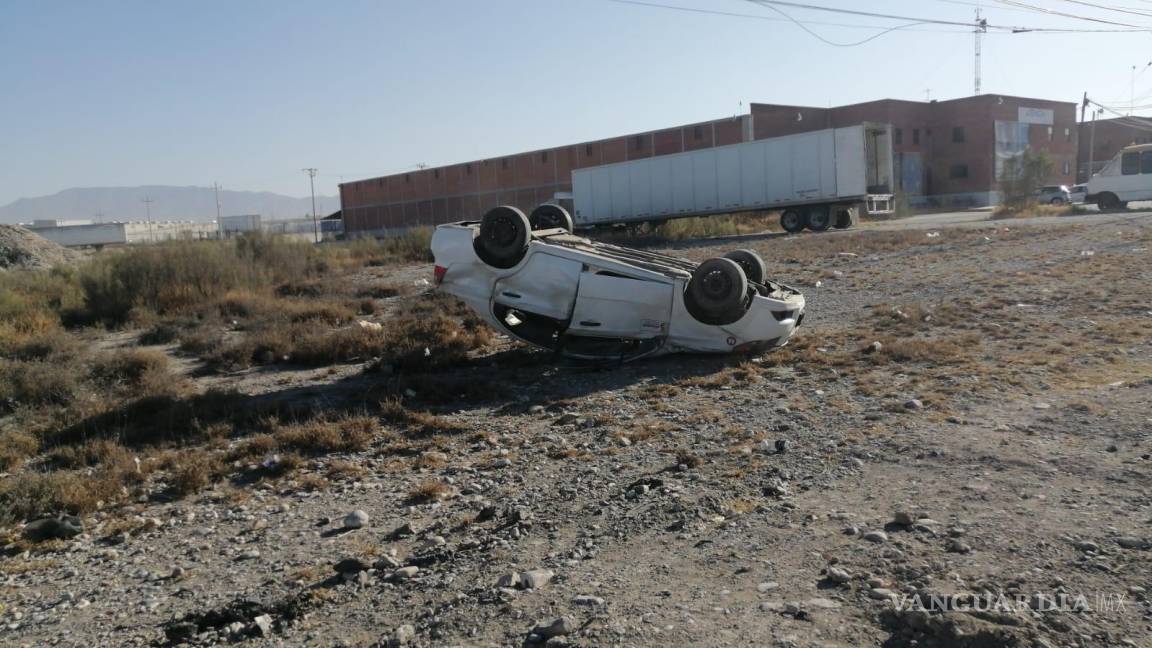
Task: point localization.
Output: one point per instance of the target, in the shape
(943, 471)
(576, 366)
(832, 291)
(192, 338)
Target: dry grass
(418, 424)
(323, 436)
(428, 491)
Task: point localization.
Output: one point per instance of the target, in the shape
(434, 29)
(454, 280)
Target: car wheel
(503, 239)
(1057, 201)
(819, 219)
(792, 221)
(750, 263)
(550, 216)
(1107, 201)
(716, 292)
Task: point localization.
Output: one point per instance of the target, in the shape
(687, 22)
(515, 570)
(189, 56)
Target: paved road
(983, 218)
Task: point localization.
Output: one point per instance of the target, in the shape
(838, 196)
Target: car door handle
(589, 323)
(510, 295)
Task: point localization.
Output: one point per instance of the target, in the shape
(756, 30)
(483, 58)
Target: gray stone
(62, 527)
(1087, 546)
(1129, 542)
(590, 601)
(350, 566)
(263, 625)
(509, 580)
(555, 628)
(356, 520)
(404, 573)
(402, 636)
(881, 594)
(914, 404)
(957, 546)
(876, 536)
(837, 575)
(767, 586)
(904, 518)
(536, 578)
(822, 603)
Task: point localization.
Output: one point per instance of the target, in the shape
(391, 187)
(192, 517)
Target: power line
(834, 43)
(1051, 12)
(1126, 10)
(732, 14)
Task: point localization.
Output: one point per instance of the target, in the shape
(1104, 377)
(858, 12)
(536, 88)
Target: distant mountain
(169, 204)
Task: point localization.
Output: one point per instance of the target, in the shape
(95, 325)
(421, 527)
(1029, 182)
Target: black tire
(1057, 201)
(751, 263)
(792, 221)
(843, 219)
(1107, 201)
(819, 219)
(550, 216)
(503, 239)
(716, 293)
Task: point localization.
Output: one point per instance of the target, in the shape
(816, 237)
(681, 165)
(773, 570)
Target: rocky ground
(965, 415)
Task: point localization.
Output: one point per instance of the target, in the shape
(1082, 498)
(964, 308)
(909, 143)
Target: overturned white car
(533, 279)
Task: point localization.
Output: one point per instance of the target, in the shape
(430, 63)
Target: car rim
(819, 219)
(716, 285)
(791, 220)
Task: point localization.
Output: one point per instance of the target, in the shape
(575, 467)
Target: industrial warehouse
(944, 154)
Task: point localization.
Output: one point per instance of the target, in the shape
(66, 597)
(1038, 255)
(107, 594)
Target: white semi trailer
(817, 180)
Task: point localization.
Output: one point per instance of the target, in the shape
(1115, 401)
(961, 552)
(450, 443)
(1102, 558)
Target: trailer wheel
(503, 239)
(716, 292)
(819, 219)
(550, 216)
(843, 218)
(792, 221)
(750, 262)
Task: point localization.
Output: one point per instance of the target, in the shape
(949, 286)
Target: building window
(915, 135)
(958, 135)
(436, 173)
(504, 163)
(468, 169)
(1146, 162)
(1051, 133)
(1067, 168)
(380, 183)
(698, 132)
(958, 171)
(407, 179)
(1067, 134)
(898, 136)
(638, 141)
(544, 156)
(588, 150)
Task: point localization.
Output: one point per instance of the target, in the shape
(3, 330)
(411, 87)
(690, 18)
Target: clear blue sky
(120, 93)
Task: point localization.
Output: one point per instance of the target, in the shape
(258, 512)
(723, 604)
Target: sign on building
(1043, 116)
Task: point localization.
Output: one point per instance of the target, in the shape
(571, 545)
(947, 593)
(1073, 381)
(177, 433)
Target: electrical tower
(981, 29)
(148, 215)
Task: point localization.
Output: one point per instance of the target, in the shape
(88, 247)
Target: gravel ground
(993, 451)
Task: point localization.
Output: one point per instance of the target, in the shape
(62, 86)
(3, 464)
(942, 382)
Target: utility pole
(216, 188)
(312, 185)
(981, 29)
(99, 217)
(148, 215)
(1091, 142)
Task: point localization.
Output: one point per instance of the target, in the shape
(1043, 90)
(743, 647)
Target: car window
(1146, 162)
(1130, 164)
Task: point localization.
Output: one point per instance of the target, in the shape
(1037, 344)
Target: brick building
(1111, 135)
(947, 153)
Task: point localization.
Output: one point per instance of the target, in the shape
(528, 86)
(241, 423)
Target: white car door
(608, 305)
(546, 285)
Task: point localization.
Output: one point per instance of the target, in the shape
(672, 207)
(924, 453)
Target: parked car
(531, 278)
(1126, 177)
(1078, 193)
(1053, 195)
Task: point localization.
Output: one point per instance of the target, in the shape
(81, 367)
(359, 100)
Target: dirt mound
(22, 248)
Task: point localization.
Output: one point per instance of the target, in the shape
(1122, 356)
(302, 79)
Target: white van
(1127, 177)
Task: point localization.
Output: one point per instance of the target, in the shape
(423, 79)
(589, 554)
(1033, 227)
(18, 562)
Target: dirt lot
(992, 449)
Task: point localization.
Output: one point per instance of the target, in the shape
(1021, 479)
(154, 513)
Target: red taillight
(438, 274)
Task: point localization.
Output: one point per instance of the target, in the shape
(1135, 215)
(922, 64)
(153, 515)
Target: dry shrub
(379, 291)
(322, 436)
(418, 424)
(31, 495)
(36, 383)
(193, 471)
(428, 491)
(132, 368)
(916, 349)
(15, 447)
